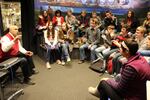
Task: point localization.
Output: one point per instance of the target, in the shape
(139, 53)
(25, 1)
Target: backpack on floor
(97, 66)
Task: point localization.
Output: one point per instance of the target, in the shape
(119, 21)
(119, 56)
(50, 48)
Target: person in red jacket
(58, 19)
(43, 21)
(131, 83)
(11, 47)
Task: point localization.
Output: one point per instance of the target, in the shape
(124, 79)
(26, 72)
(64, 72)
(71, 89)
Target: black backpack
(97, 66)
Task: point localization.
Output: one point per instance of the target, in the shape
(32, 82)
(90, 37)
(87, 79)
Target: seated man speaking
(11, 47)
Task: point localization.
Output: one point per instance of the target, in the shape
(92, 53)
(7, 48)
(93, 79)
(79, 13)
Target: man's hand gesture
(18, 37)
(29, 53)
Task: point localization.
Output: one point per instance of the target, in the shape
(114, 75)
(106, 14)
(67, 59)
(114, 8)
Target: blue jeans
(98, 51)
(65, 51)
(108, 53)
(49, 49)
(144, 52)
(93, 55)
(82, 51)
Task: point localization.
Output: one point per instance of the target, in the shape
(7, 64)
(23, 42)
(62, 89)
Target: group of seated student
(55, 37)
(11, 47)
(101, 36)
(124, 43)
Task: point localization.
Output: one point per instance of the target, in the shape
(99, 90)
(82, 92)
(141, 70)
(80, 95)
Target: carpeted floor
(68, 82)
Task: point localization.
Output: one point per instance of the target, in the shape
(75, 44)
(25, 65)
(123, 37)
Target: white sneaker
(63, 63)
(68, 59)
(94, 91)
(58, 62)
(48, 66)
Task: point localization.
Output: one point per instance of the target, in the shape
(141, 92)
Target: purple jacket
(134, 74)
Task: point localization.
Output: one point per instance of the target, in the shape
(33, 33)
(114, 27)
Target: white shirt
(58, 21)
(54, 41)
(7, 44)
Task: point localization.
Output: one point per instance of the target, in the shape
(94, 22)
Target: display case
(11, 14)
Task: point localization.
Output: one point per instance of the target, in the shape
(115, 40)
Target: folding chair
(4, 66)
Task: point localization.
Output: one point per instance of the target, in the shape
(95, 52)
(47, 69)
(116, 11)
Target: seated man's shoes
(35, 71)
(28, 81)
(19, 80)
(94, 91)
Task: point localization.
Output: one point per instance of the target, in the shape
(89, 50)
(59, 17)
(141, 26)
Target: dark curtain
(1, 23)
(28, 24)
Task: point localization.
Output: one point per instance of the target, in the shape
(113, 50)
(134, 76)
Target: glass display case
(11, 14)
